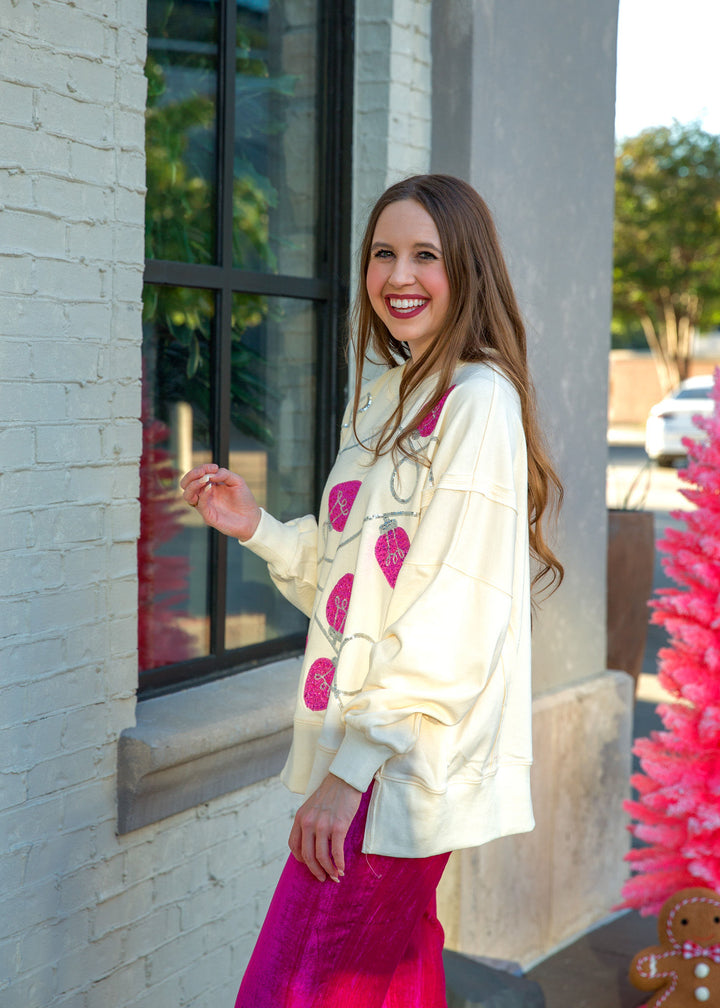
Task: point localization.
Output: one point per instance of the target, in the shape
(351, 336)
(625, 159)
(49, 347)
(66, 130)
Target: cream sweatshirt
(416, 581)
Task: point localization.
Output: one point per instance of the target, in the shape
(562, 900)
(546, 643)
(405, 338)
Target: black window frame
(328, 290)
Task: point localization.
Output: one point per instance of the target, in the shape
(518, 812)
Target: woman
(412, 726)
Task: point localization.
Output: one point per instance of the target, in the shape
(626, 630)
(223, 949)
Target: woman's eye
(382, 254)
(427, 256)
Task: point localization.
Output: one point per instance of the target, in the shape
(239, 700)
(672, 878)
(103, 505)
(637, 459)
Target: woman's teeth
(406, 304)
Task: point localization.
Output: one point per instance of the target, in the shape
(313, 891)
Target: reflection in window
(272, 436)
(181, 130)
(275, 157)
(275, 172)
(173, 548)
(272, 442)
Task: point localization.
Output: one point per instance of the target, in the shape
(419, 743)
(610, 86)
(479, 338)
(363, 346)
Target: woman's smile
(400, 307)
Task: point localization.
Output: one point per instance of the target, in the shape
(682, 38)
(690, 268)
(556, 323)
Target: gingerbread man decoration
(684, 968)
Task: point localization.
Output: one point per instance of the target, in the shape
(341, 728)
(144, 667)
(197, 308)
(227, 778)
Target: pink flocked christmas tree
(677, 811)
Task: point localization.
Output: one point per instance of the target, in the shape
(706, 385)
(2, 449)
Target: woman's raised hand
(223, 499)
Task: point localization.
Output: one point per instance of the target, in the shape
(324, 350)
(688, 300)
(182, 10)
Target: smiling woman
(412, 733)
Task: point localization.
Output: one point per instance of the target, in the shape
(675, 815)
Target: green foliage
(180, 201)
(667, 239)
(179, 327)
(627, 336)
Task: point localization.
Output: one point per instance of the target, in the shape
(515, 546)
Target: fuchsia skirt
(372, 940)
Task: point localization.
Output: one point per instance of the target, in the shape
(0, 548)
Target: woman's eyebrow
(420, 244)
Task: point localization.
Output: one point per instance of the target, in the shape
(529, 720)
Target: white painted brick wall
(411, 75)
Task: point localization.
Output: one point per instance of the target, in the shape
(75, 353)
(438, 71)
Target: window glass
(272, 443)
(173, 549)
(245, 284)
(272, 433)
(694, 393)
(181, 130)
(275, 157)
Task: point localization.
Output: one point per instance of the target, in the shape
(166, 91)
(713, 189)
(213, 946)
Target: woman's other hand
(317, 837)
(223, 499)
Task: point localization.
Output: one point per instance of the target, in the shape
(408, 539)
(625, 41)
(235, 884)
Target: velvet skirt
(371, 940)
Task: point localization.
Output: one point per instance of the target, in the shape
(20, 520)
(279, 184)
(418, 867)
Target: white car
(671, 420)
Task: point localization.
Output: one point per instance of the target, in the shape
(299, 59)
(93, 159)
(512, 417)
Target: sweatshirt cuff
(358, 760)
(273, 541)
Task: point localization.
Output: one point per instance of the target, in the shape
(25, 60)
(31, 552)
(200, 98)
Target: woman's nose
(402, 272)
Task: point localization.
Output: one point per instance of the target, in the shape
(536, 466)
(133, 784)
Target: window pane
(275, 163)
(173, 548)
(272, 444)
(181, 145)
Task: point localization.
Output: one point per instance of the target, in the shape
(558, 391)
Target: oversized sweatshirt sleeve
(290, 551)
(452, 604)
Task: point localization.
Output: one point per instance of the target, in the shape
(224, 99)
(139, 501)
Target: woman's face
(406, 279)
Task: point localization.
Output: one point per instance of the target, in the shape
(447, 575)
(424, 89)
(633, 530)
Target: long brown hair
(483, 323)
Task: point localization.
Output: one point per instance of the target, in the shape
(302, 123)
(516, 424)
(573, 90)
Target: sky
(668, 64)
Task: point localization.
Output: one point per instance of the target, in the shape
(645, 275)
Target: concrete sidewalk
(592, 972)
(626, 434)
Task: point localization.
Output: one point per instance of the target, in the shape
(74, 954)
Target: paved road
(633, 481)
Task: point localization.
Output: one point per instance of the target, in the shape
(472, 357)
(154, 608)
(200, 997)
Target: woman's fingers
(194, 482)
(197, 473)
(318, 834)
(337, 851)
(224, 500)
(302, 846)
(201, 477)
(324, 857)
(194, 488)
(309, 847)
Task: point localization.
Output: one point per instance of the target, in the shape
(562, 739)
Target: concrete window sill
(192, 746)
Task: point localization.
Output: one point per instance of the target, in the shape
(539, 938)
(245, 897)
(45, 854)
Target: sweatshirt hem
(406, 820)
